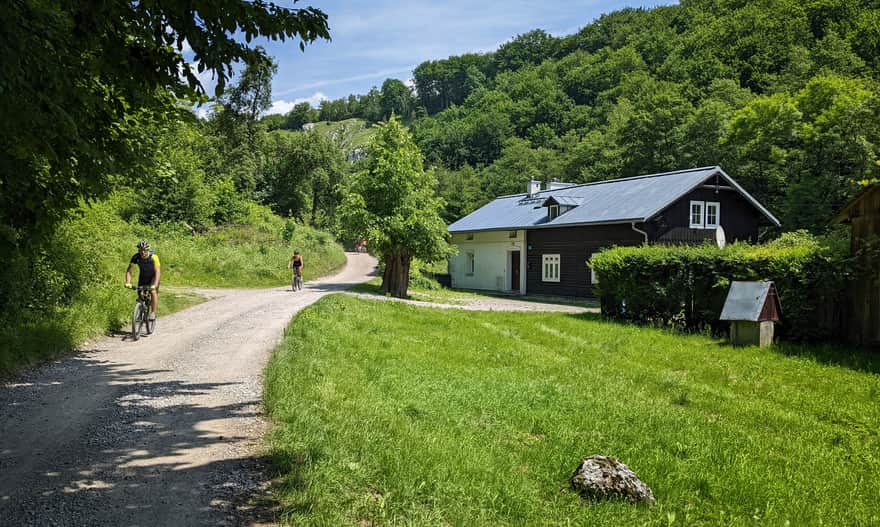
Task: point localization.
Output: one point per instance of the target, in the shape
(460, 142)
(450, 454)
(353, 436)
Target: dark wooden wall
(863, 322)
(574, 245)
(739, 218)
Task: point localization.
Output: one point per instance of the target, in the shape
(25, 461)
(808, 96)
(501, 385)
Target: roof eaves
(550, 225)
(749, 197)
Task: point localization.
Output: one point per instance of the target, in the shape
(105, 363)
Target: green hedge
(685, 286)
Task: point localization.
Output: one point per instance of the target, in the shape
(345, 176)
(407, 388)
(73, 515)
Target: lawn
(386, 413)
(445, 295)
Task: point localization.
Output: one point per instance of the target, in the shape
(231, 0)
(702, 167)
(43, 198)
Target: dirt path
(162, 431)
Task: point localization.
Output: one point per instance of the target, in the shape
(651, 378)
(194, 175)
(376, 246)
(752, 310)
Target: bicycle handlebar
(140, 287)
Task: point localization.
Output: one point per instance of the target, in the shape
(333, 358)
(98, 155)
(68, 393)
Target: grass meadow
(391, 414)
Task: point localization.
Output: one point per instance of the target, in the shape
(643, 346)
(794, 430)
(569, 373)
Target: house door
(514, 270)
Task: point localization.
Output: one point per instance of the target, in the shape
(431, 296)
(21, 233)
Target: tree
(460, 189)
(396, 98)
(303, 172)
(252, 94)
(177, 191)
(238, 122)
(301, 114)
(81, 79)
(392, 205)
(533, 47)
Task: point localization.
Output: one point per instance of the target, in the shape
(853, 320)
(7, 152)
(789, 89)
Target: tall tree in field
(392, 205)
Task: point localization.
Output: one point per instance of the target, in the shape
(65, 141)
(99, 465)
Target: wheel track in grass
(162, 431)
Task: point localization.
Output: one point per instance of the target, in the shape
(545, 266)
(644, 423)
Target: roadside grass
(444, 295)
(441, 295)
(245, 256)
(100, 245)
(387, 413)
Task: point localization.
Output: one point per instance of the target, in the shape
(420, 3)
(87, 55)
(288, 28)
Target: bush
(685, 287)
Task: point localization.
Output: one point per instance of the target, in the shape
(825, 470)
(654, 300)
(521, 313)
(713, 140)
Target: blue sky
(372, 41)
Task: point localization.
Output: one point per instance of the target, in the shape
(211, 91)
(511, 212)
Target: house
(539, 242)
(863, 294)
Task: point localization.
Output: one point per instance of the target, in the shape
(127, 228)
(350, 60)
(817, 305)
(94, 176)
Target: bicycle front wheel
(137, 321)
(151, 323)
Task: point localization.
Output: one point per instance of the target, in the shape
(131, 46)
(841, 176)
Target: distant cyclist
(296, 263)
(149, 273)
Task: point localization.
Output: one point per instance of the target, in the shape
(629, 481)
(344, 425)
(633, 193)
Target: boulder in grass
(602, 477)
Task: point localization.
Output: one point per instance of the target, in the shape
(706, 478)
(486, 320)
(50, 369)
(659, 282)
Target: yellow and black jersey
(147, 267)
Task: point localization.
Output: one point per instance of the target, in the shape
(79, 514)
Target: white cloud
(282, 106)
(366, 76)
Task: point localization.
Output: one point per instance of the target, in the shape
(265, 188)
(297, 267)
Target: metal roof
(745, 301)
(613, 201)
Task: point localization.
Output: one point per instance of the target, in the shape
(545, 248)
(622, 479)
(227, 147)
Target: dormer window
(557, 205)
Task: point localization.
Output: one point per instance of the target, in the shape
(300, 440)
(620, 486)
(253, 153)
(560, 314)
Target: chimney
(556, 185)
(534, 187)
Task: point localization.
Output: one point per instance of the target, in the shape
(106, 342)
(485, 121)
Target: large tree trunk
(396, 277)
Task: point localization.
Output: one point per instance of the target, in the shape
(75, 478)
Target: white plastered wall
(492, 252)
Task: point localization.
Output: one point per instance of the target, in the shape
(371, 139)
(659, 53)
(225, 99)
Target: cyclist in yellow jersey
(148, 274)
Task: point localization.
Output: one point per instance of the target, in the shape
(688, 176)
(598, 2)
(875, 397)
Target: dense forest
(781, 93)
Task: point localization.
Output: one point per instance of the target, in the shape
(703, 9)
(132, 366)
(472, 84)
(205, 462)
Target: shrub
(685, 287)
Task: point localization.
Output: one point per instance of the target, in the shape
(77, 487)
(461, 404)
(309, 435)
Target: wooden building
(539, 242)
(862, 323)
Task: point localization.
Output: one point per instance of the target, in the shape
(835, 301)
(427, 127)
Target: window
(469, 236)
(471, 264)
(705, 214)
(696, 214)
(553, 211)
(550, 269)
(594, 279)
(511, 234)
(713, 214)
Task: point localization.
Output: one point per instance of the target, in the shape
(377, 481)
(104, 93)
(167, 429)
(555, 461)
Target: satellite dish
(720, 238)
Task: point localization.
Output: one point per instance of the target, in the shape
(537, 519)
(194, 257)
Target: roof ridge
(643, 176)
(631, 178)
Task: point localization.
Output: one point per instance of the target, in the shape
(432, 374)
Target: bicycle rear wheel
(137, 320)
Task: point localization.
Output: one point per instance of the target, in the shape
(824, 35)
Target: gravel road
(163, 431)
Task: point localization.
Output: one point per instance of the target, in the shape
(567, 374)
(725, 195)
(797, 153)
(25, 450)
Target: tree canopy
(391, 204)
(81, 81)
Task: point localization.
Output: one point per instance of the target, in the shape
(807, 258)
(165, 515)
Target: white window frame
(717, 207)
(471, 264)
(594, 278)
(701, 213)
(550, 267)
(704, 214)
(550, 211)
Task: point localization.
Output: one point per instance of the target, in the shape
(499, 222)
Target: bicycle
(140, 317)
(297, 279)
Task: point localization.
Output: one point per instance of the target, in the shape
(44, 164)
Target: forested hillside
(781, 93)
